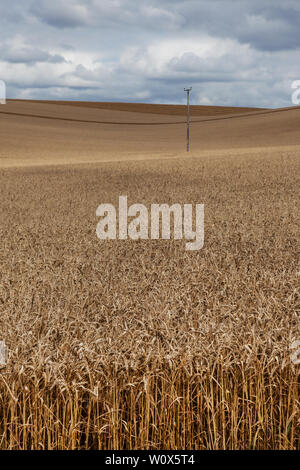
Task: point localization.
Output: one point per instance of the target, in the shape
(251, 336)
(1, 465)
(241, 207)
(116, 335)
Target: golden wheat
(141, 344)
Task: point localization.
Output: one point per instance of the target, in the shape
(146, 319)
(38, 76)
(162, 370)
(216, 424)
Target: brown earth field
(141, 344)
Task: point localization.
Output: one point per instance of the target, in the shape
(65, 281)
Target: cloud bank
(242, 53)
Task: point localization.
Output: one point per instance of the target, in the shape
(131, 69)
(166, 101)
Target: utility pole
(188, 118)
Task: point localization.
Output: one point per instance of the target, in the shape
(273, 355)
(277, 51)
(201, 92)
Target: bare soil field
(39, 133)
(141, 344)
(170, 110)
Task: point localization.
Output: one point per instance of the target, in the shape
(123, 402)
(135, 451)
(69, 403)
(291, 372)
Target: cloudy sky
(232, 52)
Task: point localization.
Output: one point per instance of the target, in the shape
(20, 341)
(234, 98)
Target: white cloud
(239, 53)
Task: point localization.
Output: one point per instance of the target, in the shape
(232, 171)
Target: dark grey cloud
(27, 55)
(266, 25)
(104, 13)
(67, 14)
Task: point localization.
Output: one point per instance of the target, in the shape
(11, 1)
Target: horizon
(133, 102)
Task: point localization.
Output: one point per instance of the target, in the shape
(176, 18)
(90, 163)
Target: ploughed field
(123, 344)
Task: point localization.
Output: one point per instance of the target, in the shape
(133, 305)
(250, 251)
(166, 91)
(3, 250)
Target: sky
(232, 52)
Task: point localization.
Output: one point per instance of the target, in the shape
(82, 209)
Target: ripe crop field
(141, 344)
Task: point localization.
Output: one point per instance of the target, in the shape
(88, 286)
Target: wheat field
(141, 344)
